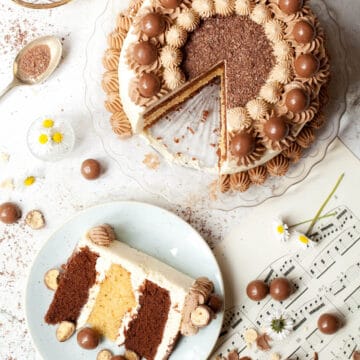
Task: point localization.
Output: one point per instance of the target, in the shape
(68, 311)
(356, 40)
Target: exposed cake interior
(115, 299)
(146, 331)
(74, 285)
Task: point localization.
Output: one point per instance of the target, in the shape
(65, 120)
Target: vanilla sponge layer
(140, 267)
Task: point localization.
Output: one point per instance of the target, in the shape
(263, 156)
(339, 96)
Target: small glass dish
(41, 4)
(50, 138)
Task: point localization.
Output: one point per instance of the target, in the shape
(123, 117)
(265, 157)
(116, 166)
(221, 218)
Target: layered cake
(129, 297)
(269, 57)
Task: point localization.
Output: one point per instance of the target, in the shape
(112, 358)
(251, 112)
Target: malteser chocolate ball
(276, 128)
(328, 324)
(149, 85)
(90, 169)
(297, 100)
(257, 290)
(290, 6)
(242, 144)
(10, 213)
(280, 289)
(88, 338)
(153, 24)
(145, 53)
(306, 65)
(170, 4)
(303, 32)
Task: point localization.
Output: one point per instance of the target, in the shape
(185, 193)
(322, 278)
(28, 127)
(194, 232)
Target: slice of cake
(270, 57)
(127, 296)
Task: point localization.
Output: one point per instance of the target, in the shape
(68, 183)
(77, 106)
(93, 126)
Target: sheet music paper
(326, 277)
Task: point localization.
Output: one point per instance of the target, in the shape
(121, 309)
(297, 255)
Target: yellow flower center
(280, 229)
(48, 123)
(303, 239)
(30, 180)
(58, 137)
(43, 139)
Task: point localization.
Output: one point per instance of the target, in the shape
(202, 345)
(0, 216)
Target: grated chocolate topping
(241, 45)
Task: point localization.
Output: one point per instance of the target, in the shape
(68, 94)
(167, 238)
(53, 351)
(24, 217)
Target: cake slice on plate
(128, 296)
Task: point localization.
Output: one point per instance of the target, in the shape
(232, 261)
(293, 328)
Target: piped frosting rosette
(147, 88)
(171, 7)
(275, 131)
(299, 103)
(289, 11)
(152, 23)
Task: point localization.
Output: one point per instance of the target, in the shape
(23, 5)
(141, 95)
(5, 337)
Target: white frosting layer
(141, 267)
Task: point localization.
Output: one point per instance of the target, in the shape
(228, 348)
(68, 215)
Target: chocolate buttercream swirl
(257, 108)
(318, 121)
(110, 81)
(133, 8)
(102, 235)
(140, 100)
(271, 91)
(137, 24)
(188, 20)
(238, 119)
(173, 77)
(306, 115)
(113, 102)
(279, 14)
(250, 157)
(205, 8)
(172, 12)
(111, 59)
(176, 36)
(277, 142)
(260, 14)
(306, 137)
(224, 183)
(278, 166)
(258, 175)
(283, 51)
(240, 181)
(282, 72)
(120, 124)
(274, 30)
(293, 152)
(198, 294)
(116, 39)
(123, 21)
(139, 68)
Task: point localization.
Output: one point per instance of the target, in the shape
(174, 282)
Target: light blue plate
(148, 228)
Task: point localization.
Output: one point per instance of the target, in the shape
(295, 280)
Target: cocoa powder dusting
(35, 61)
(243, 47)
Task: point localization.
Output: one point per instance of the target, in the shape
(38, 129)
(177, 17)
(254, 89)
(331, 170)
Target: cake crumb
(275, 356)
(205, 116)
(4, 157)
(7, 184)
(152, 161)
(262, 342)
(213, 190)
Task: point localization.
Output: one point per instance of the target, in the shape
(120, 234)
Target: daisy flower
(280, 229)
(303, 240)
(29, 180)
(279, 325)
(50, 139)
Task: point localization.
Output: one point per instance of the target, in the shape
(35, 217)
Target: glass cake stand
(182, 184)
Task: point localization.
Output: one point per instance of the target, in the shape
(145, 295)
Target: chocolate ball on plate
(153, 24)
(303, 32)
(90, 169)
(88, 338)
(242, 144)
(280, 289)
(290, 6)
(10, 213)
(149, 85)
(297, 100)
(257, 290)
(306, 65)
(328, 323)
(276, 128)
(145, 53)
(170, 4)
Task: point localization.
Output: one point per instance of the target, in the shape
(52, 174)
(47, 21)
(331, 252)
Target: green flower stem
(307, 221)
(316, 218)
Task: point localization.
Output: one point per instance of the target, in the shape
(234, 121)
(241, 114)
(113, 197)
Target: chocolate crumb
(356, 355)
(262, 342)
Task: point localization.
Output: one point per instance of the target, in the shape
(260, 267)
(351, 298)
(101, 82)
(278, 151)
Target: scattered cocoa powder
(35, 61)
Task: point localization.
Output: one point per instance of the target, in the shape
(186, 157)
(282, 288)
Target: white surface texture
(62, 191)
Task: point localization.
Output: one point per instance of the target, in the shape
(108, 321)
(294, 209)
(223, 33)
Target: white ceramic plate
(148, 228)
